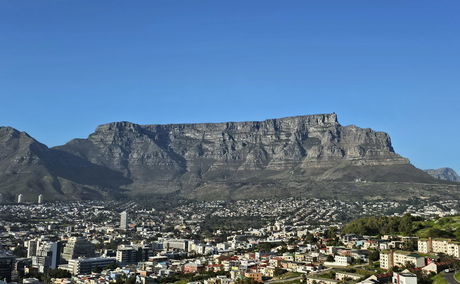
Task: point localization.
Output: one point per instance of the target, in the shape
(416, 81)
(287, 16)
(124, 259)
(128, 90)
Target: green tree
(374, 255)
(131, 280)
(410, 245)
(20, 251)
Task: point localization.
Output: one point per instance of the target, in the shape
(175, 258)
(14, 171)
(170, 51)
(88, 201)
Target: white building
(20, 197)
(389, 259)
(124, 220)
(87, 265)
(448, 247)
(342, 260)
(40, 199)
(404, 277)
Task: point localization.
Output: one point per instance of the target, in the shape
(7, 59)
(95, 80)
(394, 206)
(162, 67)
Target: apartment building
(445, 246)
(386, 259)
(87, 265)
(389, 259)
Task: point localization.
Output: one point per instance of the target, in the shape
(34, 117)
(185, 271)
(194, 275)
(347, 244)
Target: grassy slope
(439, 279)
(450, 224)
(445, 227)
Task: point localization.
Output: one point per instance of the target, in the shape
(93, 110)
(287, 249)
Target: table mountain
(310, 155)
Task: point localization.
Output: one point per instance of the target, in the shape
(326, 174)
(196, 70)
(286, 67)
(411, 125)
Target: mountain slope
(30, 168)
(444, 174)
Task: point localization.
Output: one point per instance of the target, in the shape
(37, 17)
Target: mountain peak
(444, 174)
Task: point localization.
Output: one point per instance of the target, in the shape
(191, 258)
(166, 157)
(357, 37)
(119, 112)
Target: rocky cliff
(167, 158)
(302, 154)
(444, 174)
(31, 168)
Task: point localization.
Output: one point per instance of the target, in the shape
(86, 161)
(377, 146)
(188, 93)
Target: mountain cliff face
(444, 174)
(307, 155)
(167, 158)
(31, 168)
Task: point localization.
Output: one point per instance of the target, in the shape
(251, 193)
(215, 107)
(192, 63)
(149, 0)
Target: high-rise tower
(124, 220)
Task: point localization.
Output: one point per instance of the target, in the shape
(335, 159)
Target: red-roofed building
(192, 267)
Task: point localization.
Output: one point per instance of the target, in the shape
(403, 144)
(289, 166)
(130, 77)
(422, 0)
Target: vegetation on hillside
(457, 276)
(446, 227)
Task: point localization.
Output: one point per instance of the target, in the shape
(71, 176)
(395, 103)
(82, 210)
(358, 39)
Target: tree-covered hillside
(446, 227)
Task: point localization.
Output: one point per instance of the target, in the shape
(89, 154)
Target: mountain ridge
(445, 173)
(278, 156)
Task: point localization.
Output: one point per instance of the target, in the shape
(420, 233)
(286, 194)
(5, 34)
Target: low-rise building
(404, 277)
(192, 267)
(343, 276)
(87, 265)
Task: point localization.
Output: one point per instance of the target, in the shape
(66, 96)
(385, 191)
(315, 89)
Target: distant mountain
(310, 155)
(444, 174)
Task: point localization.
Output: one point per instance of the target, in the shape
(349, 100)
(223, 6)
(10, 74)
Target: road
(286, 280)
(450, 277)
(299, 277)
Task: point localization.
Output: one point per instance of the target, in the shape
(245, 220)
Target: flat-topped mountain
(309, 155)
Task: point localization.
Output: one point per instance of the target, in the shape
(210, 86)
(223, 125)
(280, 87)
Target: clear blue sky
(68, 66)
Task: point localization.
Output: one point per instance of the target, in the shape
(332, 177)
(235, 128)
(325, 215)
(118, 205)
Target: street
(450, 277)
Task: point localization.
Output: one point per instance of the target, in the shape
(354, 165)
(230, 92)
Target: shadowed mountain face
(30, 168)
(277, 157)
(444, 174)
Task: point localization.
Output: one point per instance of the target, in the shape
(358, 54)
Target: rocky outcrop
(274, 157)
(444, 174)
(183, 157)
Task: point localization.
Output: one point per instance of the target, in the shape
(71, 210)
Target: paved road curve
(450, 277)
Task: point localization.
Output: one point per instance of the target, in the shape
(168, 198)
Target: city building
(445, 246)
(389, 259)
(193, 267)
(20, 198)
(404, 277)
(176, 244)
(40, 199)
(343, 276)
(78, 247)
(87, 265)
(128, 255)
(31, 246)
(124, 220)
(30, 281)
(48, 255)
(386, 259)
(6, 266)
(342, 260)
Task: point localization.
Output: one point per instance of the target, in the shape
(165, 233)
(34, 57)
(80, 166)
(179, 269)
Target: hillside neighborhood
(279, 241)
